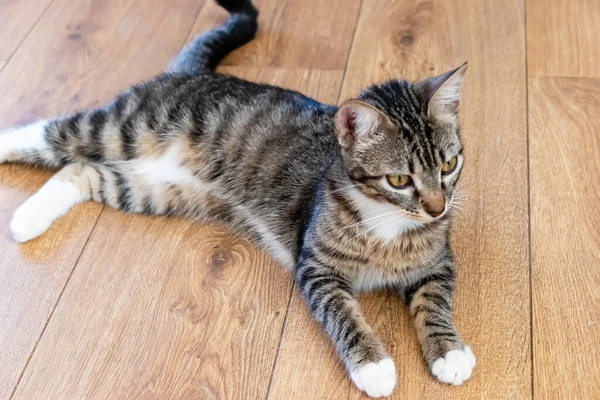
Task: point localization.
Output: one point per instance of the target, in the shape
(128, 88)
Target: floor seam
(9, 58)
(283, 329)
(56, 304)
(529, 202)
(350, 50)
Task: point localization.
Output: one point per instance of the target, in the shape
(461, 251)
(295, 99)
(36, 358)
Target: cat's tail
(208, 49)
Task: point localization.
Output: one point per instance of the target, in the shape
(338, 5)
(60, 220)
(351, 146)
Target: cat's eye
(399, 181)
(449, 165)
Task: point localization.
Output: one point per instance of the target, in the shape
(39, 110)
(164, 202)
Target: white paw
(456, 367)
(29, 221)
(38, 212)
(377, 379)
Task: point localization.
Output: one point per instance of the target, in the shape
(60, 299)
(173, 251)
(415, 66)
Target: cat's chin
(384, 220)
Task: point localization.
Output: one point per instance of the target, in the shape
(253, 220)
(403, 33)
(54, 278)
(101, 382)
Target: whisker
(457, 206)
(463, 184)
(459, 199)
(460, 191)
(367, 231)
(396, 219)
(351, 185)
(363, 221)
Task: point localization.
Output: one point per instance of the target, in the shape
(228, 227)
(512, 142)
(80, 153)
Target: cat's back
(259, 132)
(231, 95)
(236, 120)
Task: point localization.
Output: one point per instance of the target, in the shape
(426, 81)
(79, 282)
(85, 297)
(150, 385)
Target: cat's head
(401, 145)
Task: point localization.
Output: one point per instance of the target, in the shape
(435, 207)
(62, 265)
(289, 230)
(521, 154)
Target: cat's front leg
(429, 300)
(331, 299)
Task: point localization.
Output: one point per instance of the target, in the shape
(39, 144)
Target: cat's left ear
(359, 123)
(443, 94)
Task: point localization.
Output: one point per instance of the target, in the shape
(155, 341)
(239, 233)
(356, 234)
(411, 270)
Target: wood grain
(190, 313)
(17, 18)
(312, 34)
(32, 275)
(75, 57)
(565, 227)
(83, 56)
(162, 308)
(563, 37)
(414, 39)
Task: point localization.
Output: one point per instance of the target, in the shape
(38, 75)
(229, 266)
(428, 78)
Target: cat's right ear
(357, 122)
(442, 94)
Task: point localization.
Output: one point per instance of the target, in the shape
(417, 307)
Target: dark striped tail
(208, 49)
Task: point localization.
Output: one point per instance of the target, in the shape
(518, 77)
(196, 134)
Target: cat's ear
(358, 122)
(442, 94)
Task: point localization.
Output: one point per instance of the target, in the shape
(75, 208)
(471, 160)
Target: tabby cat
(351, 198)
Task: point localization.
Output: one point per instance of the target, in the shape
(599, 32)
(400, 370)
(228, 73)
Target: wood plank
(307, 366)
(78, 55)
(160, 308)
(563, 37)
(414, 39)
(565, 233)
(105, 46)
(17, 18)
(164, 308)
(32, 275)
(293, 34)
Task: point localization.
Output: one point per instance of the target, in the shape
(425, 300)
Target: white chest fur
(382, 219)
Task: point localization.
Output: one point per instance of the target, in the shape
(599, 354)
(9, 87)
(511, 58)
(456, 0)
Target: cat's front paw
(376, 378)
(455, 367)
(29, 221)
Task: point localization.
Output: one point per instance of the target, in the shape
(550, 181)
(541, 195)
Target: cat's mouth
(423, 217)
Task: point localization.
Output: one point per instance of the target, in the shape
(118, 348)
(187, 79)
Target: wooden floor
(114, 306)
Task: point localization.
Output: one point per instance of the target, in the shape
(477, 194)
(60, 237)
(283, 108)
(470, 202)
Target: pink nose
(434, 204)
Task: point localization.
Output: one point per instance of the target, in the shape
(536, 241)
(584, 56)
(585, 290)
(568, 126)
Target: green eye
(399, 181)
(449, 165)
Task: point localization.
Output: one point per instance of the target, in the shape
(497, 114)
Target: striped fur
(305, 180)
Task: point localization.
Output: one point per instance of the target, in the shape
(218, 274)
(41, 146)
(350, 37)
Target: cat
(350, 198)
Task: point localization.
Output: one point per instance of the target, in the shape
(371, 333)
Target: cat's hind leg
(147, 187)
(75, 183)
(71, 185)
(82, 137)
(27, 144)
(124, 130)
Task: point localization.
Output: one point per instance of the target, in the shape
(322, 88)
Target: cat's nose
(434, 204)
